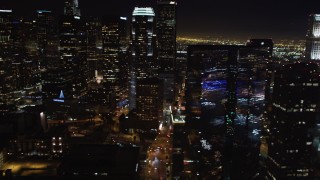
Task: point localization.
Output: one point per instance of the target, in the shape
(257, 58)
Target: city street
(158, 161)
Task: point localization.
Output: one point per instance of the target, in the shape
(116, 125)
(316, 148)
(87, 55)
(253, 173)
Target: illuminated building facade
(313, 38)
(211, 81)
(252, 84)
(144, 57)
(293, 143)
(73, 41)
(6, 47)
(18, 57)
(226, 85)
(93, 30)
(150, 100)
(124, 56)
(211, 90)
(46, 38)
(110, 52)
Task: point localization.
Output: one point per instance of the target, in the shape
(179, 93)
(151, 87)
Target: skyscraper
(293, 141)
(5, 32)
(150, 102)
(93, 30)
(144, 58)
(166, 35)
(225, 86)
(211, 92)
(110, 52)
(124, 56)
(209, 69)
(45, 35)
(73, 41)
(6, 47)
(71, 8)
(313, 38)
(114, 54)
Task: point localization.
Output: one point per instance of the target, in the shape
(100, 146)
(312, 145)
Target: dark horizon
(227, 19)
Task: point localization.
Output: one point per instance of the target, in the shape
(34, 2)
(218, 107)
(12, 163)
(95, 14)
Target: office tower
(313, 38)
(209, 69)
(180, 78)
(24, 68)
(252, 73)
(45, 36)
(71, 8)
(166, 36)
(114, 55)
(253, 66)
(124, 56)
(5, 32)
(211, 95)
(293, 141)
(150, 102)
(110, 52)
(144, 57)
(73, 41)
(93, 30)
(225, 85)
(19, 51)
(6, 49)
(29, 30)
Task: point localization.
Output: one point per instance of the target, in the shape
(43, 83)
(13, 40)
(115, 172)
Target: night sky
(232, 19)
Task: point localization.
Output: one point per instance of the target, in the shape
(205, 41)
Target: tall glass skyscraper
(313, 38)
(45, 36)
(166, 35)
(73, 42)
(144, 59)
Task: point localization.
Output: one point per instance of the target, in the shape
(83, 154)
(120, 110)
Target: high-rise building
(114, 54)
(150, 101)
(144, 57)
(293, 140)
(6, 58)
(253, 68)
(45, 36)
(5, 32)
(23, 67)
(110, 52)
(209, 70)
(225, 85)
(71, 8)
(73, 43)
(93, 30)
(313, 38)
(166, 36)
(124, 56)
(211, 85)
